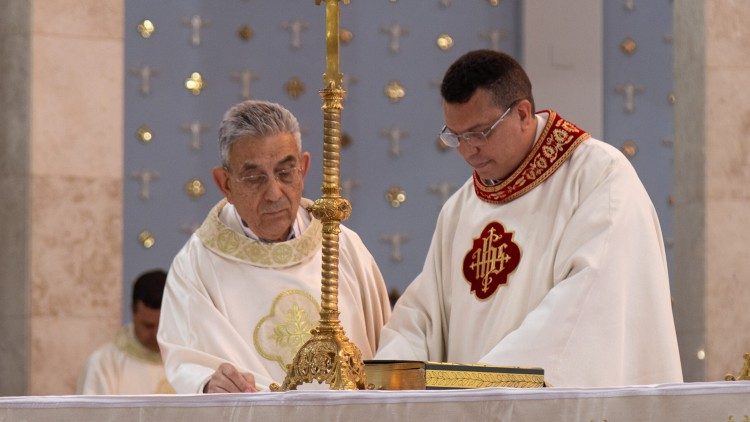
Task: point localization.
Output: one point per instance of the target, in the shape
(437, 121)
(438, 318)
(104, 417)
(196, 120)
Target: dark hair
(494, 71)
(149, 288)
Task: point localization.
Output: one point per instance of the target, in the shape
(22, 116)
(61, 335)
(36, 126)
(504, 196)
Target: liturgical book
(417, 375)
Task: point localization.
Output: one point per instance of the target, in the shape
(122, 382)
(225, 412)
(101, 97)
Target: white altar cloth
(717, 401)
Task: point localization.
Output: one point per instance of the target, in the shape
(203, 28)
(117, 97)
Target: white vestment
(561, 266)
(252, 304)
(124, 366)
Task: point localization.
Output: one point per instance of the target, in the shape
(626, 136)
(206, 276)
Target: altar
(715, 401)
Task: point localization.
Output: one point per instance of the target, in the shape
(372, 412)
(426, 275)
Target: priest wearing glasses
(550, 255)
(244, 292)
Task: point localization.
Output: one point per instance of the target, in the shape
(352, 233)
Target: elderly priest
(243, 293)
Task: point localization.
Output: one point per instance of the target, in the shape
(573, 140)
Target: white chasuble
(233, 299)
(560, 266)
(124, 366)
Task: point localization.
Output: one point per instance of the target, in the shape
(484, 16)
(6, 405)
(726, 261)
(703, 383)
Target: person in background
(131, 364)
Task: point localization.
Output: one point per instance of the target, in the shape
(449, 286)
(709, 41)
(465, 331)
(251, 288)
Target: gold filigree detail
(331, 209)
(464, 379)
(280, 334)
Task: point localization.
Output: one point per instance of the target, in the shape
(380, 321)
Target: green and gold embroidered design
(221, 239)
(295, 330)
(287, 326)
(126, 342)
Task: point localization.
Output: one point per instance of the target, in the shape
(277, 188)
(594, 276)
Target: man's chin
(279, 229)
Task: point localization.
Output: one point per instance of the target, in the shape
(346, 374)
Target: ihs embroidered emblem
(490, 261)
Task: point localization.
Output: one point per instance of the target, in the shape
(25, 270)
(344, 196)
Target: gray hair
(255, 119)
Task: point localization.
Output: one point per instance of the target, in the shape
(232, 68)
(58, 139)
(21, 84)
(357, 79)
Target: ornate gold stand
(329, 357)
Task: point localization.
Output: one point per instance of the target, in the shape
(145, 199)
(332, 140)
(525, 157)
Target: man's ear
(222, 180)
(524, 109)
(305, 164)
(525, 114)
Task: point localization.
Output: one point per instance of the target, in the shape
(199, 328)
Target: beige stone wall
(712, 185)
(62, 167)
(76, 186)
(727, 184)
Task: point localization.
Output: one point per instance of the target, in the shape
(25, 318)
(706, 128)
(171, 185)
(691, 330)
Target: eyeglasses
(258, 182)
(472, 138)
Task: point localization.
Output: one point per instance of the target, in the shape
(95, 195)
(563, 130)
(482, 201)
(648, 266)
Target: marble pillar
(15, 62)
(712, 186)
(63, 286)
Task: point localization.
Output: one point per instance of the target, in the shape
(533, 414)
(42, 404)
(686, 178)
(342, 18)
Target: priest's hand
(227, 379)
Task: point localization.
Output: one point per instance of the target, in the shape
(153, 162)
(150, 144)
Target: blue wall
(367, 112)
(418, 67)
(651, 124)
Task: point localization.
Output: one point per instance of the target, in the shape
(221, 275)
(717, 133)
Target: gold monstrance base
(328, 356)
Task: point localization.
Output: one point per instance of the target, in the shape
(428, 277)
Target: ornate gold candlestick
(329, 356)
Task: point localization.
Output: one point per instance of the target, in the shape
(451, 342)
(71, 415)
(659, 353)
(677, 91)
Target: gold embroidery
(295, 330)
(226, 242)
(278, 335)
(489, 260)
(467, 379)
(282, 253)
(556, 144)
(221, 239)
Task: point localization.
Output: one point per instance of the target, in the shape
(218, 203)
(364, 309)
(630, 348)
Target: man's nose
(466, 149)
(273, 189)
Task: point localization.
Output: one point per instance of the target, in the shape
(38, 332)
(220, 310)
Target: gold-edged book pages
(417, 375)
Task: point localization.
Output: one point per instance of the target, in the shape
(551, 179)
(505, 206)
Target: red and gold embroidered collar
(555, 145)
